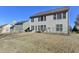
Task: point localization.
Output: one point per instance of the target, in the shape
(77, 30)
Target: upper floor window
(64, 15)
(32, 19)
(41, 18)
(59, 16)
(44, 18)
(54, 16)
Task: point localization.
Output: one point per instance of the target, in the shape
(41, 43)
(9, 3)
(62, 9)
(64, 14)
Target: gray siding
(17, 28)
(51, 24)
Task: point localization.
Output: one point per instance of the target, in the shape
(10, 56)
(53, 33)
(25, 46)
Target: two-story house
(52, 21)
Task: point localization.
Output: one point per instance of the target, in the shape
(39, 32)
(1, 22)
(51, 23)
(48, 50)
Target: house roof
(49, 12)
(18, 23)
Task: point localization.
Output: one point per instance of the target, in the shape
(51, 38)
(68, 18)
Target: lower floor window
(59, 27)
(42, 28)
(36, 28)
(32, 27)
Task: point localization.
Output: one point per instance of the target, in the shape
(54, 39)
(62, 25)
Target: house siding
(6, 29)
(25, 25)
(18, 28)
(51, 24)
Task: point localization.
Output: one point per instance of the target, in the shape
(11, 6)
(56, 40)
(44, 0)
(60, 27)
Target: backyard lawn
(39, 43)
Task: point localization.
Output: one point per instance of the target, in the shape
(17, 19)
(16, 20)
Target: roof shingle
(49, 12)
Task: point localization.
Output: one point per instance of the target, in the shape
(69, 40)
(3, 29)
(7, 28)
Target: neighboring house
(1, 28)
(52, 21)
(19, 27)
(5, 28)
(26, 26)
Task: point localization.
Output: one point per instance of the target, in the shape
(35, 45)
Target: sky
(20, 13)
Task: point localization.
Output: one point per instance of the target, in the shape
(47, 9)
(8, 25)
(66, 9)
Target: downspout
(68, 22)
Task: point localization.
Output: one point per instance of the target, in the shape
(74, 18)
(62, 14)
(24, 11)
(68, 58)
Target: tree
(76, 26)
(74, 29)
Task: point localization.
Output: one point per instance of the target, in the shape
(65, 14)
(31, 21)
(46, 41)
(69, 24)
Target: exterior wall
(51, 24)
(11, 30)
(25, 25)
(18, 28)
(6, 29)
(0, 30)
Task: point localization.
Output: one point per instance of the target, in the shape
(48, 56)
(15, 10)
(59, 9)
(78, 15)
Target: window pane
(32, 27)
(64, 15)
(60, 25)
(36, 28)
(59, 16)
(32, 19)
(54, 16)
(44, 18)
(57, 29)
(41, 18)
(44, 27)
(61, 29)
